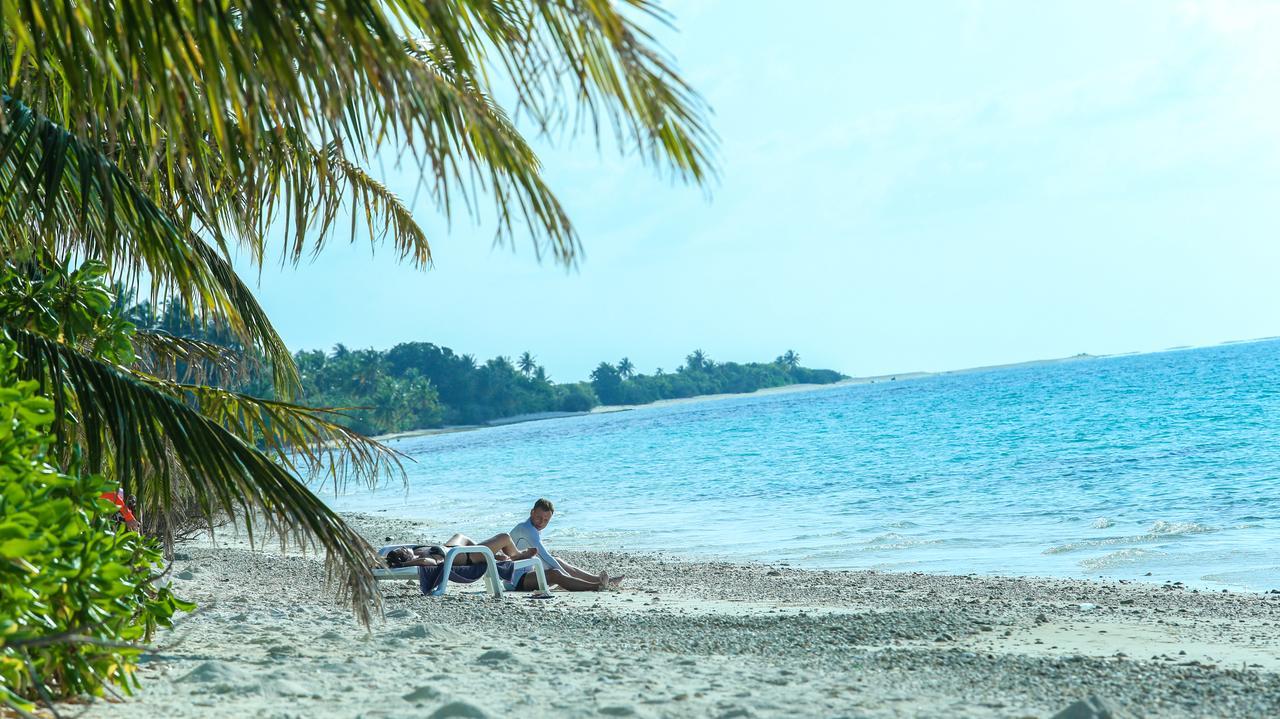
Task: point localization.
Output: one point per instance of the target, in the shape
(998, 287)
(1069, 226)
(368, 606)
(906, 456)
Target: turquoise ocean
(1155, 467)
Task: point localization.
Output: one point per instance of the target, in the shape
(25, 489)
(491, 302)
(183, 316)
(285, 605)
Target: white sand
(713, 640)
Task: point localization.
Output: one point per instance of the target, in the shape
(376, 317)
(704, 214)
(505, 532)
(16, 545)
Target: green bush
(76, 595)
(576, 397)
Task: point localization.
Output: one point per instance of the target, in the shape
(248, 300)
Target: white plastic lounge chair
(490, 575)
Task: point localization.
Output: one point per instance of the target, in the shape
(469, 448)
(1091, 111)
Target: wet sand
(711, 639)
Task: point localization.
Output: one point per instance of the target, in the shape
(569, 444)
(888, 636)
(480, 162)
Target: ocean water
(1155, 467)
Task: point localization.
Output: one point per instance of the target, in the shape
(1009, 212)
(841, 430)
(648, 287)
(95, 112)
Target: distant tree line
(699, 375)
(418, 385)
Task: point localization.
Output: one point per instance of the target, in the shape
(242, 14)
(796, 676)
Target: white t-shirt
(525, 535)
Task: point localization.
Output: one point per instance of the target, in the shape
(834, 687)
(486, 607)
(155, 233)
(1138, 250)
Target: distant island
(420, 385)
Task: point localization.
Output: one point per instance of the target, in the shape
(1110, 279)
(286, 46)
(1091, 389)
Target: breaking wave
(1157, 532)
(1121, 558)
(893, 540)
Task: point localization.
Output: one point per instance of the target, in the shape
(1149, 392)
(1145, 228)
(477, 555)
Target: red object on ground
(124, 510)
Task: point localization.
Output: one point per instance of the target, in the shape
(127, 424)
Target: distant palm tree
(789, 359)
(468, 360)
(527, 364)
(540, 374)
(658, 372)
(696, 360)
(626, 369)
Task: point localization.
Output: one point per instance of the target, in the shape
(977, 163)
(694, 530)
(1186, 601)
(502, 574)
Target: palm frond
(148, 437)
(185, 359)
(60, 193)
(618, 75)
(189, 94)
(303, 439)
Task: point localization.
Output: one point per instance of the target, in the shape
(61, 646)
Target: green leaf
(19, 548)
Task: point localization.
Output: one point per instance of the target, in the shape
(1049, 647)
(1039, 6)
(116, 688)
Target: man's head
(541, 513)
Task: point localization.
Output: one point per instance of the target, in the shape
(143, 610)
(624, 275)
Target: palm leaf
(186, 359)
(335, 68)
(188, 94)
(303, 439)
(149, 437)
(59, 193)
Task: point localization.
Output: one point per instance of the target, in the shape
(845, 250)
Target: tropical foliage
(76, 596)
(148, 143)
(156, 140)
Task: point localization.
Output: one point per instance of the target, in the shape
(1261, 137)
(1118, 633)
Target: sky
(902, 186)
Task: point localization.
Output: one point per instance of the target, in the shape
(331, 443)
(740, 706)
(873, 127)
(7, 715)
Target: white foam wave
(1121, 558)
(1102, 523)
(1161, 527)
(1159, 531)
(893, 540)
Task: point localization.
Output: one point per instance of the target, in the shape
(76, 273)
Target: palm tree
(789, 359)
(166, 144)
(626, 369)
(527, 364)
(696, 360)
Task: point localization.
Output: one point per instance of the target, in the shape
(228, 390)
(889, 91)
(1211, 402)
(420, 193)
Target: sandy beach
(700, 639)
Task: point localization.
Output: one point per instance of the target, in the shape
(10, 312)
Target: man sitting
(528, 535)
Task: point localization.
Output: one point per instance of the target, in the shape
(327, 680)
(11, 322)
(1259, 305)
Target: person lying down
(430, 555)
(504, 549)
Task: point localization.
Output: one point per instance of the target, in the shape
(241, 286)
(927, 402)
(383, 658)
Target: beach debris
(1092, 708)
(438, 632)
(217, 677)
(422, 694)
(288, 688)
(459, 710)
(495, 657)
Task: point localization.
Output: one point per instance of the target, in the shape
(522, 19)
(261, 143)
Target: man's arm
(548, 561)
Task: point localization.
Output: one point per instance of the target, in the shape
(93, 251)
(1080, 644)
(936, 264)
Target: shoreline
(712, 639)
(767, 391)
(611, 408)
(787, 389)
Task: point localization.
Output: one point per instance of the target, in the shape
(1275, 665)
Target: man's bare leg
(601, 578)
(576, 572)
(572, 584)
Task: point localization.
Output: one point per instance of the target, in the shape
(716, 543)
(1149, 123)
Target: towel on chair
(430, 577)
